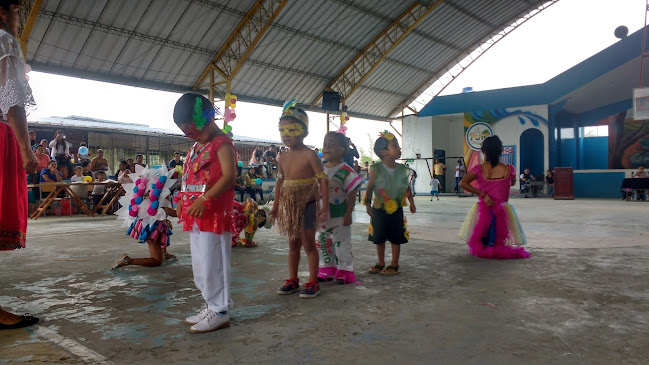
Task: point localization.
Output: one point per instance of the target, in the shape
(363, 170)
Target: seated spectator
(131, 164)
(98, 191)
(642, 174)
(549, 180)
(32, 140)
(251, 185)
(60, 151)
(80, 189)
(176, 161)
(45, 145)
(80, 157)
(240, 185)
(257, 157)
(99, 163)
(139, 160)
(43, 162)
(51, 173)
(78, 174)
(526, 182)
(123, 172)
(85, 165)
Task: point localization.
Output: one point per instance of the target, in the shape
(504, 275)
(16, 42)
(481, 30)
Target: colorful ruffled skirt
(13, 192)
(494, 232)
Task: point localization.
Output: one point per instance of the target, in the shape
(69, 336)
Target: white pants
(211, 267)
(335, 247)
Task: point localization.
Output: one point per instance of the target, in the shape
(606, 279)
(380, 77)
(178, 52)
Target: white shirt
(434, 185)
(60, 149)
(460, 172)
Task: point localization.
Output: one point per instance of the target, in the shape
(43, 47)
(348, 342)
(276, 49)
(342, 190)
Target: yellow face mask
(291, 130)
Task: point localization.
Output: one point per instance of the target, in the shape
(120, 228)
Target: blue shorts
(434, 193)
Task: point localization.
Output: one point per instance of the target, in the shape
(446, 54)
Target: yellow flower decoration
(387, 135)
(406, 234)
(377, 202)
(370, 229)
(390, 206)
(404, 202)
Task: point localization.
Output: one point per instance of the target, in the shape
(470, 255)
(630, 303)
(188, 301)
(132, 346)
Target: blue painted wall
(598, 184)
(568, 157)
(593, 153)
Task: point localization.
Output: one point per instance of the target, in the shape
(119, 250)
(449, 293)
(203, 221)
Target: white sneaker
(211, 322)
(199, 317)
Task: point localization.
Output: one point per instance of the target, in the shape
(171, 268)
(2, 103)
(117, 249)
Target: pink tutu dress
(494, 232)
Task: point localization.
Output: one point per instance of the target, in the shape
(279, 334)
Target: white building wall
(418, 139)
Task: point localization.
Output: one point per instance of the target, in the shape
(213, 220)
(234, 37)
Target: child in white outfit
(334, 238)
(434, 188)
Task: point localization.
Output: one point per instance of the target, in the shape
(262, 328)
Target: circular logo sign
(477, 133)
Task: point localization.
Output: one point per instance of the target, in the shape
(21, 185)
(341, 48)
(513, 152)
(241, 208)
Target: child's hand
(413, 209)
(347, 220)
(196, 209)
(324, 214)
(369, 211)
(487, 200)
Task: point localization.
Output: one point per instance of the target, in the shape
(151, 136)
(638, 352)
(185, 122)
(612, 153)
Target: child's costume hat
(291, 110)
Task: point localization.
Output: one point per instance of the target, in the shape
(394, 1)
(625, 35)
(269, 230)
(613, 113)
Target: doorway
(532, 151)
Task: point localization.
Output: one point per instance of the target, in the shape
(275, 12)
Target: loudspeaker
(330, 101)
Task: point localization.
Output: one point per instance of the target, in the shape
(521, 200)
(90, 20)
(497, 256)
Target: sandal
(376, 269)
(250, 244)
(122, 261)
(390, 270)
(25, 321)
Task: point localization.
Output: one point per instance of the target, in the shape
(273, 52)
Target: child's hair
(99, 173)
(492, 147)
(78, 168)
(185, 110)
(5, 4)
(380, 145)
(85, 163)
(123, 162)
(340, 138)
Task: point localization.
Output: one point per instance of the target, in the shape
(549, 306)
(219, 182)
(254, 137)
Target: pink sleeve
(512, 171)
(476, 170)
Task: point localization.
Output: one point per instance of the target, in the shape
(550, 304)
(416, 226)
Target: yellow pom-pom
(390, 206)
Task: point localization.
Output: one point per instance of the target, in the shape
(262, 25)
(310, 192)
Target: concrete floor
(581, 299)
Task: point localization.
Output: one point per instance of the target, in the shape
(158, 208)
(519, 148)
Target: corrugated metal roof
(101, 125)
(166, 44)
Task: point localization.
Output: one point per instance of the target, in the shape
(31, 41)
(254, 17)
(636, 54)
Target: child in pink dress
(491, 228)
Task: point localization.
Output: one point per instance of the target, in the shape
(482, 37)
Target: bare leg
(8, 318)
(308, 239)
(294, 246)
(380, 251)
(396, 250)
(156, 259)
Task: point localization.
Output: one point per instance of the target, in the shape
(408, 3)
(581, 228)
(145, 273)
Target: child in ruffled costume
(389, 184)
(145, 208)
(248, 219)
(491, 229)
(301, 182)
(334, 238)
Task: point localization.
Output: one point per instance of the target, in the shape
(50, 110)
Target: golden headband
(291, 110)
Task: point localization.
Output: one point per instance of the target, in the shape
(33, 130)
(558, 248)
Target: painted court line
(72, 346)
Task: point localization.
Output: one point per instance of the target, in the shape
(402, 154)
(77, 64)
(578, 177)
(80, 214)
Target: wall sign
(476, 134)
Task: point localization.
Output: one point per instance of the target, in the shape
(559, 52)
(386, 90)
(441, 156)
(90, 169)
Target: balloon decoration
(229, 115)
(240, 163)
(87, 179)
(258, 181)
(319, 154)
(83, 150)
(344, 118)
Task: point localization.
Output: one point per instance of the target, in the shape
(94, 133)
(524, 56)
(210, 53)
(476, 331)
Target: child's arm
(228, 166)
(465, 183)
(323, 183)
(413, 209)
(351, 202)
(368, 193)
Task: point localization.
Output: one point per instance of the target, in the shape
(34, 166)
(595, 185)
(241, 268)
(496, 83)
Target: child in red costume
(205, 208)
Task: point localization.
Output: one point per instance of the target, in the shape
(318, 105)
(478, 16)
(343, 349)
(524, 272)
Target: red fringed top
(203, 168)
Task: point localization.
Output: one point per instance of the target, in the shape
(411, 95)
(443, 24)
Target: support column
(577, 143)
(327, 121)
